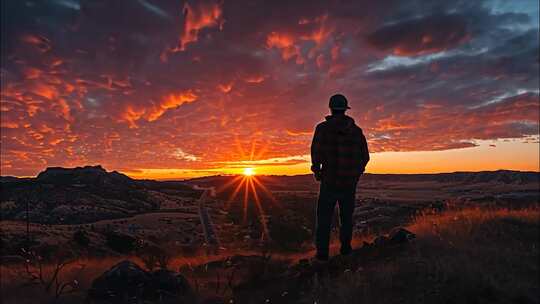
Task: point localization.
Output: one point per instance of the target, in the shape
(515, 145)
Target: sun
(249, 171)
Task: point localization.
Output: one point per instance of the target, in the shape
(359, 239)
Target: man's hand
(316, 172)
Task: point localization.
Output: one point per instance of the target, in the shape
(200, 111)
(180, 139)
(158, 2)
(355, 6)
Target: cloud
(442, 128)
(275, 161)
(180, 154)
(154, 9)
(156, 110)
(94, 85)
(430, 34)
(285, 43)
(306, 40)
(197, 17)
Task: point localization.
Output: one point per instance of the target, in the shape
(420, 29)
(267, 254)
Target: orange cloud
(255, 79)
(285, 43)
(41, 43)
(9, 125)
(133, 113)
(45, 90)
(299, 133)
(32, 73)
(198, 17)
(172, 100)
(225, 88)
(320, 34)
(291, 45)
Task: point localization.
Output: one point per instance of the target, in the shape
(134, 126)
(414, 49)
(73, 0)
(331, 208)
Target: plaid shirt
(339, 151)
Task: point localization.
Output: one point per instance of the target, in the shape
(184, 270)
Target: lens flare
(249, 171)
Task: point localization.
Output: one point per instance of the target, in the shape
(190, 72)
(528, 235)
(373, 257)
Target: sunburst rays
(249, 187)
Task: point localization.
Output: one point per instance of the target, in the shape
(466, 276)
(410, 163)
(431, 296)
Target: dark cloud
(418, 36)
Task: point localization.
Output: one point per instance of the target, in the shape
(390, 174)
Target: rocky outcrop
(84, 195)
(93, 175)
(77, 195)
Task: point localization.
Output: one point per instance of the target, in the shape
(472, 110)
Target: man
(339, 155)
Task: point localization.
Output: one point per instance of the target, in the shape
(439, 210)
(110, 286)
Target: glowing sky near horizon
(176, 89)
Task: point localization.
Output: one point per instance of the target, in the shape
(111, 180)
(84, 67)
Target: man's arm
(316, 153)
(365, 152)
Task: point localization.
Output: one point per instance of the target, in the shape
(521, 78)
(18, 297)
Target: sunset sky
(176, 89)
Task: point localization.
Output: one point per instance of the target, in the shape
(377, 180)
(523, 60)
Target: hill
(81, 195)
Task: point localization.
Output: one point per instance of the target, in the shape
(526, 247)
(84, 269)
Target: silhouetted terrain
(104, 237)
(82, 195)
(307, 182)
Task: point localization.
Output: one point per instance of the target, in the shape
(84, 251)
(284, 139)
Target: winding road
(206, 221)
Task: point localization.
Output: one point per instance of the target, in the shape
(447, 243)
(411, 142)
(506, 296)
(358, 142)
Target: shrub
(80, 237)
(153, 256)
(121, 243)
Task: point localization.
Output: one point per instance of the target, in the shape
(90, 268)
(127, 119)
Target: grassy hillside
(463, 256)
(469, 256)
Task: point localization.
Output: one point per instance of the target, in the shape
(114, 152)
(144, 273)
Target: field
(477, 241)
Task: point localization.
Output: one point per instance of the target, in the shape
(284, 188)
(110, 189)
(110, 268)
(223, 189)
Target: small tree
(44, 267)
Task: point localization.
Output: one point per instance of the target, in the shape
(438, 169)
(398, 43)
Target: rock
(127, 282)
(380, 240)
(401, 235)
(168, 283)
(396, 236)
(124, 280)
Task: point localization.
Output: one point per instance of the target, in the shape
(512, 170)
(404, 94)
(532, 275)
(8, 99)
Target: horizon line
(264, 175)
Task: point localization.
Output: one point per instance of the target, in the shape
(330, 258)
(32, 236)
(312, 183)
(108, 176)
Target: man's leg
(346, 210)
(325, 210)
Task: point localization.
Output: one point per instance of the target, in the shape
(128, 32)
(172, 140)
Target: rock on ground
(126, 282)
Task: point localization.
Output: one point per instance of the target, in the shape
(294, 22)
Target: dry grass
(463, 256)
(460, 256)
(459, 223)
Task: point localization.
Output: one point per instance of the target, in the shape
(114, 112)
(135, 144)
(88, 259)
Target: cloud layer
(199, 84)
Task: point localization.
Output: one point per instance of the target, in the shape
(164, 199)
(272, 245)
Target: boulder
(126, 282)
(396, 237)
(380, 240)
(164, 282)
(401, 235)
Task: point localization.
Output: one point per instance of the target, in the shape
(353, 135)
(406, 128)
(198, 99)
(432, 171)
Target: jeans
(328, 196)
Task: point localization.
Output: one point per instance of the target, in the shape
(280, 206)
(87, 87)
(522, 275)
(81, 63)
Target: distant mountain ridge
(98, 175)
(502, 176)
(306, 181)
(90, 193)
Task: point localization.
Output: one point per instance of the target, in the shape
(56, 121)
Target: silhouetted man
(339, 155)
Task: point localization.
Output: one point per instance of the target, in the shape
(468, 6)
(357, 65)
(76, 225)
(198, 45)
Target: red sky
(173, 89)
